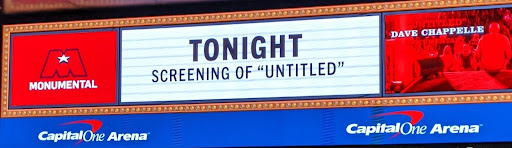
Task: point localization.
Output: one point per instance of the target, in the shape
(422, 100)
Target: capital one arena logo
(63, 64)
(89, 135)
(411, 127)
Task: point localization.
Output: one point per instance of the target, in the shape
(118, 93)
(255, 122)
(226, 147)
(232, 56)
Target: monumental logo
(89, 135)
(411, 127)
(64, 68)
(63, 64)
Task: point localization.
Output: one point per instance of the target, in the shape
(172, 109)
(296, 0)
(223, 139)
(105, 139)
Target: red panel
(64, 69)
(453, 51)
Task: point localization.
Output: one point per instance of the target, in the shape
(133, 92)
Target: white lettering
(128, 136)
(89, 136)
(408, 129)
(67, 84)
(394, 34)
(452, 31)
(406, 33)
(93, 85)
(437, 129)
(41, 135)
(480, 29)
(113, 136)
(32, 86)
(349, 128)
(424, 32)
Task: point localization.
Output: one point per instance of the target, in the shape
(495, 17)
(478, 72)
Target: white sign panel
(274, 59)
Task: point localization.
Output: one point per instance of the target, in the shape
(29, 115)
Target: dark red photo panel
(61, 69)
(448, 51)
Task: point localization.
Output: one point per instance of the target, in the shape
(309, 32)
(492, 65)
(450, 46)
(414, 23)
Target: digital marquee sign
(258, 57)
(329, 75)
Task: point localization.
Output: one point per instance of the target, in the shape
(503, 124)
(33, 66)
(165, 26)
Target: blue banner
(341, 126)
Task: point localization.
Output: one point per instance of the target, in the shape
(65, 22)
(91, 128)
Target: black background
(170, 9)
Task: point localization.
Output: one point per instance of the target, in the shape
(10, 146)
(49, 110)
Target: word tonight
(256, 46)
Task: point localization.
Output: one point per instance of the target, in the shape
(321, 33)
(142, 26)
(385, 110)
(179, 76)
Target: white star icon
(63, 58)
